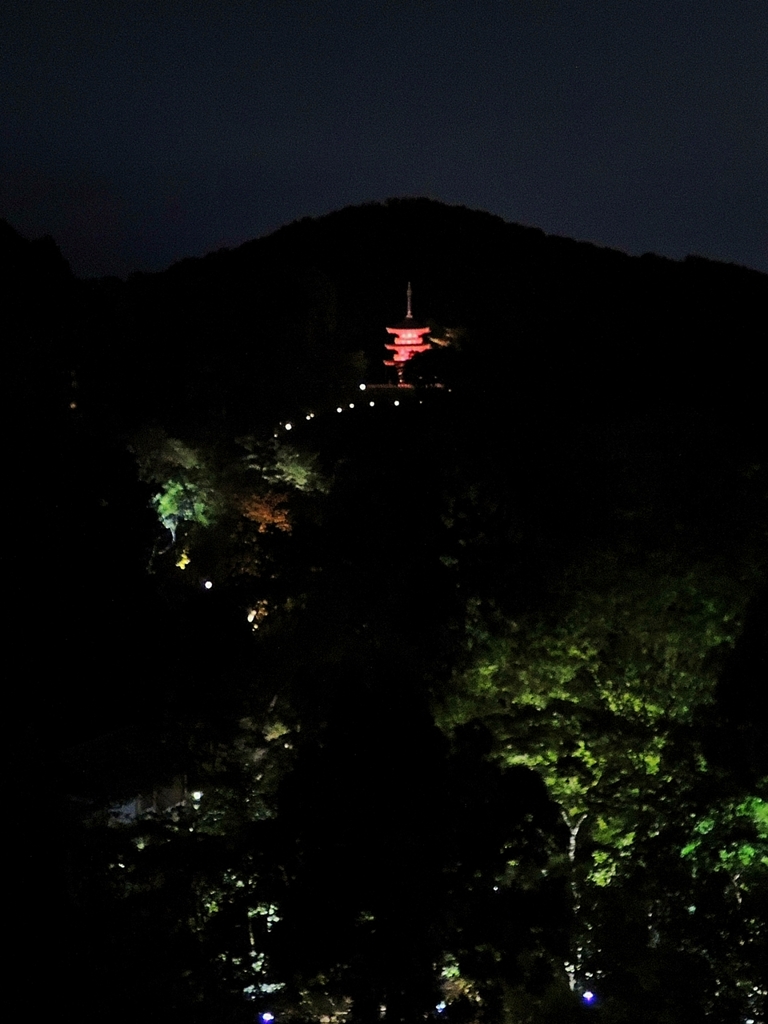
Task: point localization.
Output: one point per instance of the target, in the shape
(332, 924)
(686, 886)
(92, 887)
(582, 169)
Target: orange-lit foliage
(267, 511)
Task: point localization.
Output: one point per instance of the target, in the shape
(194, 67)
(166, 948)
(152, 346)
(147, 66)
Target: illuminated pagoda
(408, 341)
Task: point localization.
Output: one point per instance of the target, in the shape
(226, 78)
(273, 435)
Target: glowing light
(588, 997)
(362, 387)
(307, 417)
(207, 584)
(257, 615)
(197, 795)
(351, 405)
(440, 1007)
(338, 408)
(397, 402)
(371, 404)
(407, 342)
(267, 1017)
(183, 561)
(289, 426)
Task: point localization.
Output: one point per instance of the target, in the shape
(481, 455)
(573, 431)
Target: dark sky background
(137, 132)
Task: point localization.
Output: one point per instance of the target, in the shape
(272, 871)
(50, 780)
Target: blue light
(267, 1017)
(588, 997)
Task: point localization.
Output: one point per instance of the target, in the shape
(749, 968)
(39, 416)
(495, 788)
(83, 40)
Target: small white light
(397, 402)
(338, 408)
(371, 404)
(362, 387)
(197, 795)
(207, 584)
(588, 996)
(289, 426)
(267, 1017)
(351, 405)
(308, 417)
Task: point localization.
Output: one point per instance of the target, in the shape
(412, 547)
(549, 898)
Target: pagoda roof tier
(409, 324)
(412, 346)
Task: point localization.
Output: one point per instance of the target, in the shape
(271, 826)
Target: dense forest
(332, 708)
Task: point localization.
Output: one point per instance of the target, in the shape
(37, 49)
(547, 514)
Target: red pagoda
(408, 340)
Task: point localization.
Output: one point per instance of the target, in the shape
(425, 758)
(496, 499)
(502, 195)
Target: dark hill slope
(552, 327)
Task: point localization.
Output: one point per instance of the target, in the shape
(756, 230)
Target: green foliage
(732, 837)
(279, 462)
(188, 492)
(181, 501)
(193, 886)
(157, 454)
(592, 699)
(606, 698)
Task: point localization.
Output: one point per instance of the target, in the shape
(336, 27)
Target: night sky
(138, 133)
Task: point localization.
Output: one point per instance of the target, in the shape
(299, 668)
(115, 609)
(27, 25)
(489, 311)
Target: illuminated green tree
(186, 481)
(608, 699)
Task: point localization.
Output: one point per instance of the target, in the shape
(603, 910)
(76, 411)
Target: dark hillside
(449, 701)
(589, 387)
(557, 328)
